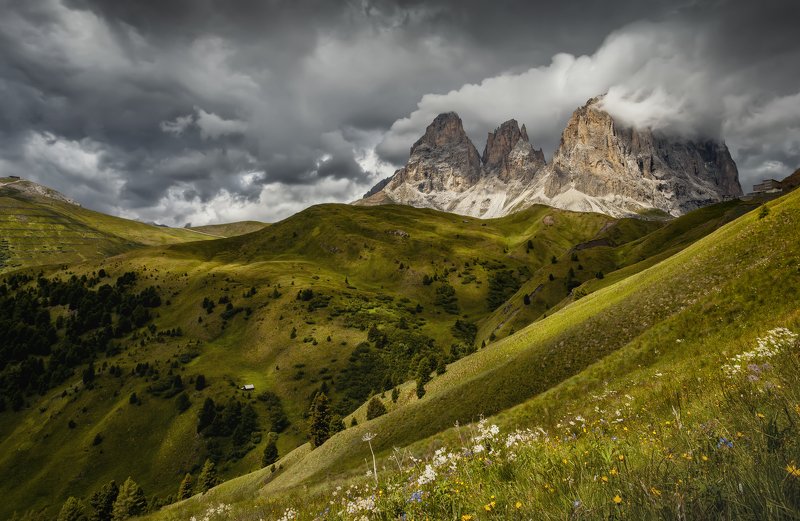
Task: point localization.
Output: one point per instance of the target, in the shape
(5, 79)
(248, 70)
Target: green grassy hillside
(38, 227)
(628, 382)
(231, 229)
(341, 299)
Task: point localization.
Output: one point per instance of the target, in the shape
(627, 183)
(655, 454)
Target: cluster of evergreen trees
(37, 352)
(227, 429)
(118, 503)
(110, 503)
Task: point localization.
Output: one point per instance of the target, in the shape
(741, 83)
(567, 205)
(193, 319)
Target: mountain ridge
(601, 165)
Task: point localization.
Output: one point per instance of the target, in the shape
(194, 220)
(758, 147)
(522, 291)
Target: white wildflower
(427, 476)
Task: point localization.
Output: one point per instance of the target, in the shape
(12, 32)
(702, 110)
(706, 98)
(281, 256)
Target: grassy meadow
(554, 307)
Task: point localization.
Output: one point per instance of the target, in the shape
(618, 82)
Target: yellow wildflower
(793, 470)
(760, 415)
(704, 457)
(614, 471)
(617, 499)
(466, 517)
(604, 479)
(621, 457)
(655, 491)
(518, 505)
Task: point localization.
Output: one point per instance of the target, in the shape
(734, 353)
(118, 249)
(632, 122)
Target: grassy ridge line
(469, 388)
(634, 246)
(39, 230)
(230, 229)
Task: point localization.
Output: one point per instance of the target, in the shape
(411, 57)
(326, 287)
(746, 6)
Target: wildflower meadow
(732, 452)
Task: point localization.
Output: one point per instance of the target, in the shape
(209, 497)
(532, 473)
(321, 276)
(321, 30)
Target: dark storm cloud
(215, 110)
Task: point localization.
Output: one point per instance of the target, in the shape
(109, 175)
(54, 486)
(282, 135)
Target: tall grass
(731, 452)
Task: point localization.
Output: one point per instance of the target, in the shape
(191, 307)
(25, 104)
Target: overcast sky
(208, 111)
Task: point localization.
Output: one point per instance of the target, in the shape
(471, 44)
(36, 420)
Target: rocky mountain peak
(500, 142)
(639, 168)
(601, 165)
(508, 152)
(446, 129)
(443, 159)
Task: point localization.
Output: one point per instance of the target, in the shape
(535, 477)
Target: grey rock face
(600, 165)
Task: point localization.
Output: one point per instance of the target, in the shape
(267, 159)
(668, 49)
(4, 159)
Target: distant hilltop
(30, 188)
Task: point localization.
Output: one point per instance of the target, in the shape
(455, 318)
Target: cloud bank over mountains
(184, 111)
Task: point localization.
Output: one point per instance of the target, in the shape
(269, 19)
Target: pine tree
(208, 477)
(270, 455)
(103, 501)
(420, 389)
(182, 402)
(130, 501)
(320, 420)
(375, 408)
(89, 375)
(337, 424)
(423, 376)
(207, 415)
(72, 510)
(185, 491)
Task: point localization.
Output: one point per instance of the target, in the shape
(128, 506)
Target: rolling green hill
(231, 229)
(38, 226)
(632, 383)
(346, 300)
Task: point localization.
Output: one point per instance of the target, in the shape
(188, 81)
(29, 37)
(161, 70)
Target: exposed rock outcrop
(509, 155)
(623, 170)
(600, 165)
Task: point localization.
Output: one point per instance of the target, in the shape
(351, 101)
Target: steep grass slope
(364, 267)
(38, 227)
(678, 320)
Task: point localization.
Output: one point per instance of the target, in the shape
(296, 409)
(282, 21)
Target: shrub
(375, 408)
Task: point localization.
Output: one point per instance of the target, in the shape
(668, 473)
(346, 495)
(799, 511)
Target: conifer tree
(206, 415)
(270, 455)
(208, 477)
(423, 376)
(130, 501)
(320, 420)
(72, 510)
(185, 491)
(337, 424)
(375, 408)
(103, 501)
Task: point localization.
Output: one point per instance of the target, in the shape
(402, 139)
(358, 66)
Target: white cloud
(655, 75)
(212, 126)
(276, 201)
(178, 125)
(75, 168)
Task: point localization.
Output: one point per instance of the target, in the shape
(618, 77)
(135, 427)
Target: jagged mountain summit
(601, 165)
